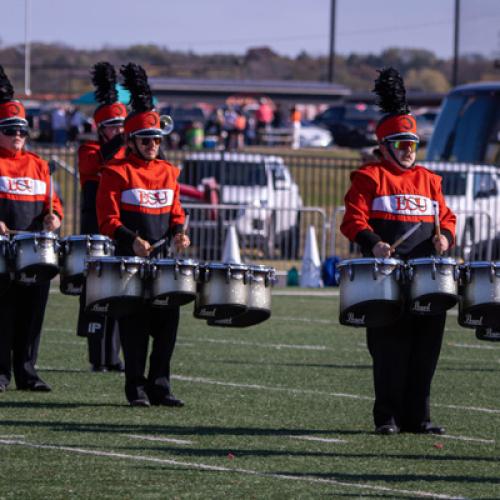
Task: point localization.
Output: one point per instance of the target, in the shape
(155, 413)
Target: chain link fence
(273, 199)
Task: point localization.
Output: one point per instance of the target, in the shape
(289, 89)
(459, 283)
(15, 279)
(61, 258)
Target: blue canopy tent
(88, 99)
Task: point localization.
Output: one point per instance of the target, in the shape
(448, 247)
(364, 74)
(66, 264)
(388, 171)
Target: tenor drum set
(375, 292)
(223, 294)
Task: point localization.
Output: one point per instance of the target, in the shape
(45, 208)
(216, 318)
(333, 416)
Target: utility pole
(455, 43)
(331, 64)
(27, 48)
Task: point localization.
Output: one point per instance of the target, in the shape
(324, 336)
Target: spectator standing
(295, 119)
(263, 117)
(59, 125)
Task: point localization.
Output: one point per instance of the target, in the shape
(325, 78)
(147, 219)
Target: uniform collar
(139, 162)
(394, 169)
(7, 153)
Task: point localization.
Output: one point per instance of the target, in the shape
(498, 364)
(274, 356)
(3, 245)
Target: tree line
(63, 70)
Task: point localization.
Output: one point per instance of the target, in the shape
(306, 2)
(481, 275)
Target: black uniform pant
(405, 356)
(161, 324)
(102, 336)
(22, 310)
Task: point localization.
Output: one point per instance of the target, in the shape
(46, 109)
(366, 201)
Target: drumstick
(436, 219)
(405, 236)
(51, 196)
(18, 231)
(163, 240)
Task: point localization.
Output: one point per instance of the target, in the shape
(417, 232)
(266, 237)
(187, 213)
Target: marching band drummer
(101, 332)
(24, 205)
(137, 205)
(386, 198)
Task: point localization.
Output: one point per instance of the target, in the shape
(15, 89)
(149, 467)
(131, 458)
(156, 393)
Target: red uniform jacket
(384, 201)
(25, 191)
(90, 164)
(138, 197)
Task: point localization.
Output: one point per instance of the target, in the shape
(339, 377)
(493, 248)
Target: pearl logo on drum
(469, 320)
(417, 307)
(351, 318)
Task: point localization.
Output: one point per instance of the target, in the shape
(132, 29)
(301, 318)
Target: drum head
(72, 285)
(371, 313)
(36, 274)
(481, 315)
(433, 303)
(117, 307)
(252, 316)
(219, 311)
(173, 299)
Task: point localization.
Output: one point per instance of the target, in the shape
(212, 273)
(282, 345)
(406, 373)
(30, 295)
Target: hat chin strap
(137, 150)
(395, 158)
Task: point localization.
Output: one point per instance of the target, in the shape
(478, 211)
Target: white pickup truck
(265, 198)
(473, 193)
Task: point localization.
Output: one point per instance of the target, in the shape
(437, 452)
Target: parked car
(351, 124)
(266, 200)
(468, 127)
(473, 193)
(312, 136)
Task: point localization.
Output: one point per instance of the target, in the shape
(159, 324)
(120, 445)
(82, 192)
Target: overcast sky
(232, 26)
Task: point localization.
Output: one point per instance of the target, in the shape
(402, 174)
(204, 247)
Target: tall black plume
(391, 92)
(6, 88)
(104, 80)
(135, 80)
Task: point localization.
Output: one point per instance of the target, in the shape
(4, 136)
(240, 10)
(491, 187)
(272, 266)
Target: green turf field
(280, 410)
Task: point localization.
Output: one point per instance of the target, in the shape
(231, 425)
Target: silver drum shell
(433, 285)
(222, 291)
(370, 292)
(172, 282)
(73, 251)
(36, 257)
(115, 285)
(259, 300)
(480, 304)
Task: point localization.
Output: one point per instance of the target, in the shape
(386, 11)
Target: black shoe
(387, 429)
(140, 402)
(40, 386)
(119, 367)
(99, 368)
(37, 386)
(430, 428)
(169, 400)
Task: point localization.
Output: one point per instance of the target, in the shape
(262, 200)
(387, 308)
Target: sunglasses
(145, 141)
(404, 145)
(11, 132)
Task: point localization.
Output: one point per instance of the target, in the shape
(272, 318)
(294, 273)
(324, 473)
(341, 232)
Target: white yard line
(468, 408)
(59, 369)
(473, 346)
(468, 439)
(321, 440)
(305, 320)
(305, 293)
(158, 438)
(215, 468)
(272, 346)
(202, 380)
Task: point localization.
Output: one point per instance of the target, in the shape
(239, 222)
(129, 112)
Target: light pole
(27, 48)
(331, 64)
(456, 35)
